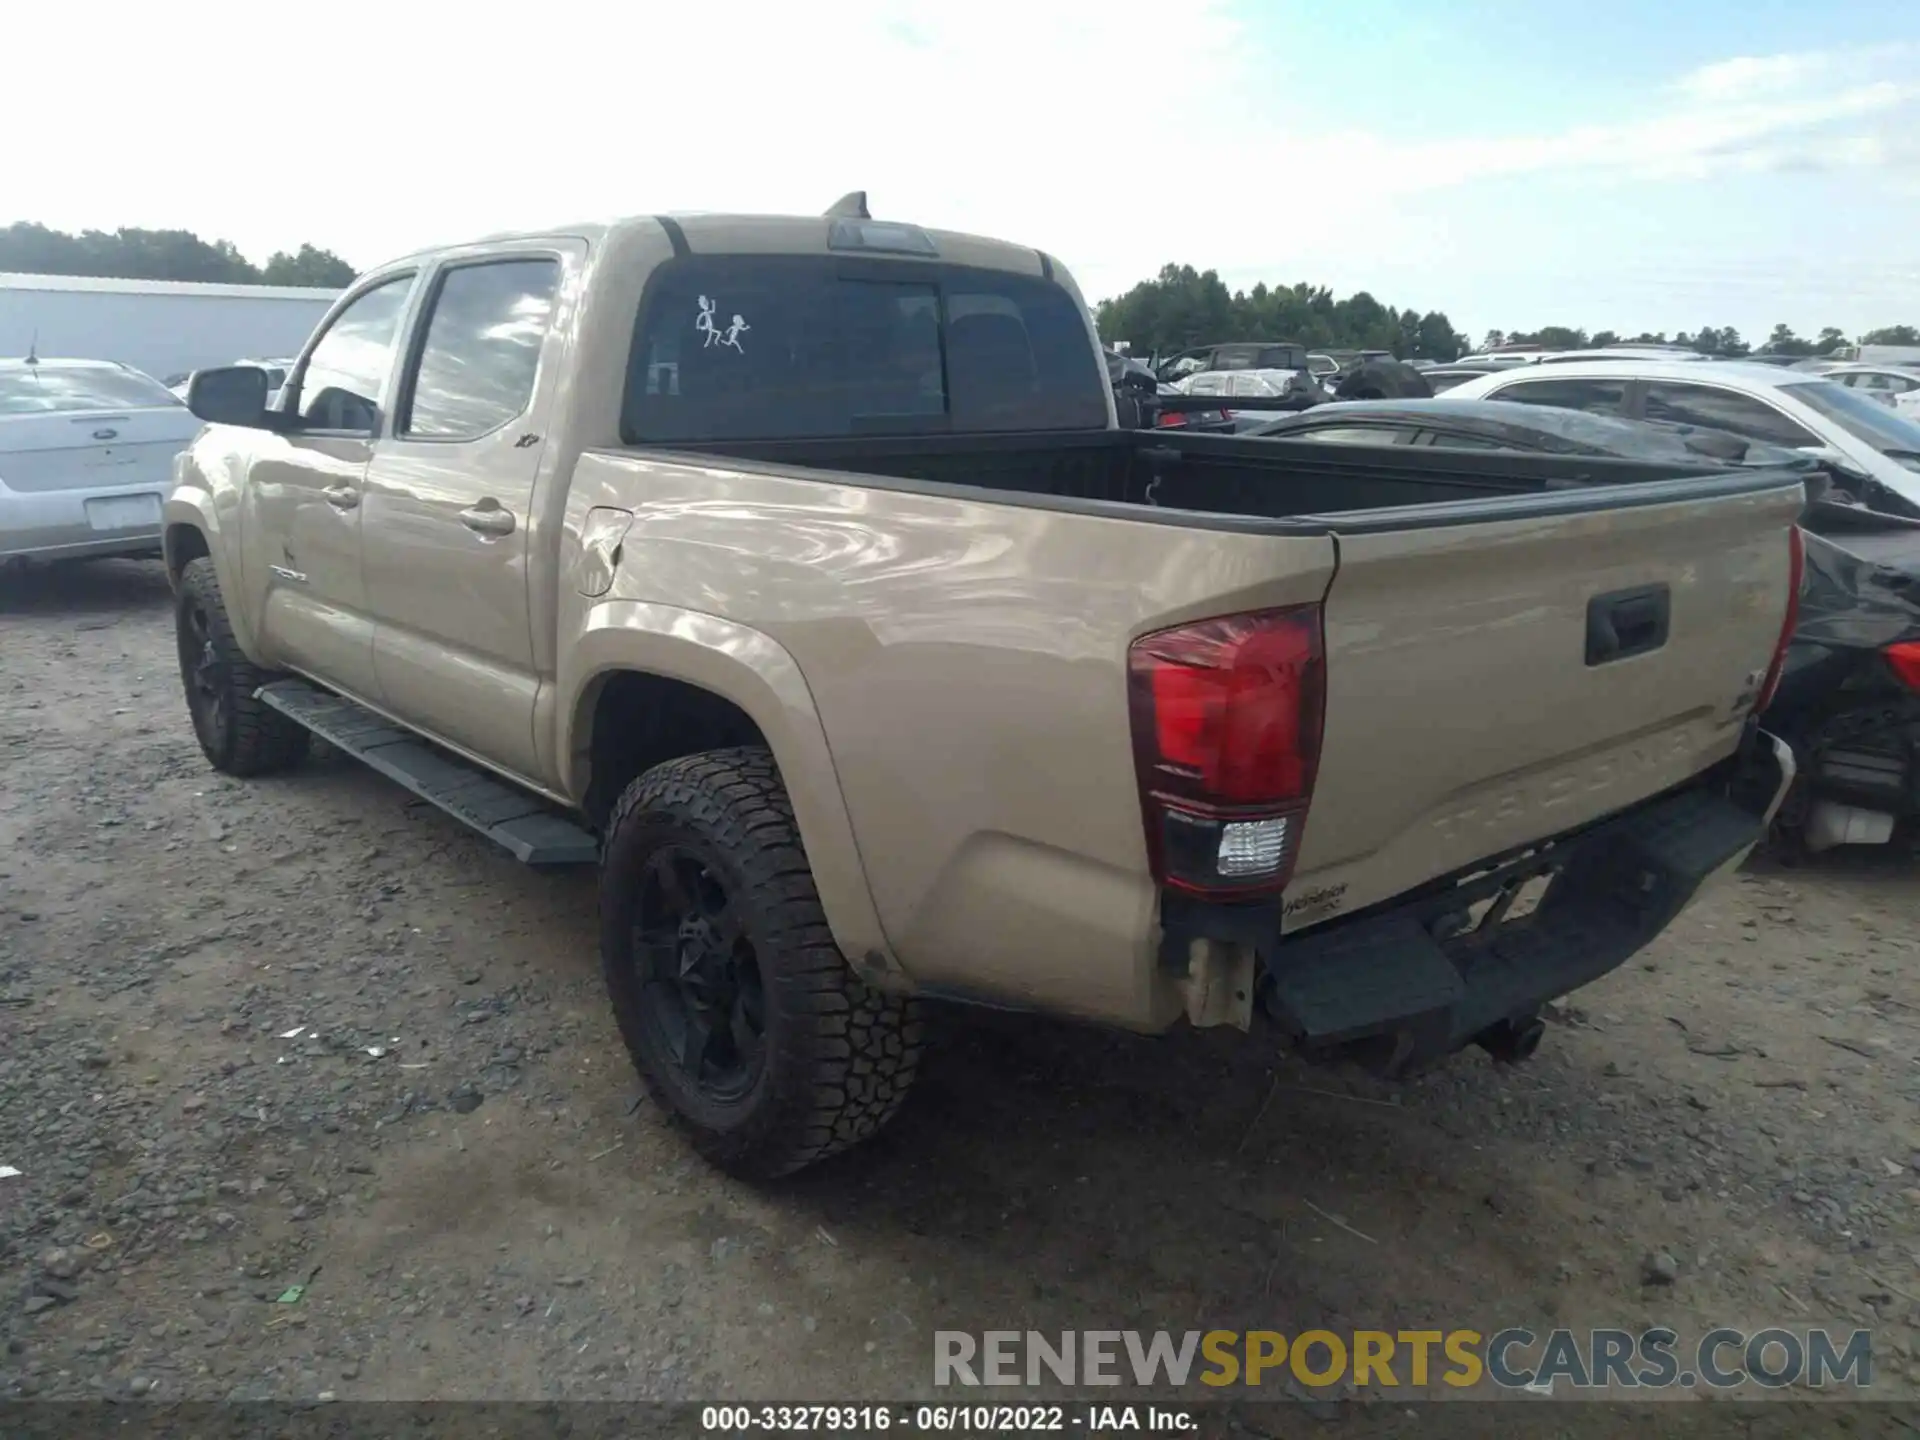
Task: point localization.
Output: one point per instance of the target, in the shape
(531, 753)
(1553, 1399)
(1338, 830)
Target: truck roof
(735, 234)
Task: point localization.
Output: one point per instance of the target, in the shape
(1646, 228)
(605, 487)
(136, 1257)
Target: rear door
(1560, 667)
(449, 498)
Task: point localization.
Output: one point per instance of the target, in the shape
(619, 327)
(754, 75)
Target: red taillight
(1905, 660)
(1796, 568)
(1170, 419)
(1226, 727)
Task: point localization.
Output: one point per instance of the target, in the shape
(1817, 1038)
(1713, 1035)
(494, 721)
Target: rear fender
(757, 674)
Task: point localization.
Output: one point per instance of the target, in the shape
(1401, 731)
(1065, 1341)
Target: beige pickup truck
(794, 572)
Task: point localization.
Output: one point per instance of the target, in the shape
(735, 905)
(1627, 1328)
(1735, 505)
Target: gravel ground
(306, 1032)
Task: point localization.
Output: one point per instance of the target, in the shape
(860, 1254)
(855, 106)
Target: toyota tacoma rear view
(795, 572)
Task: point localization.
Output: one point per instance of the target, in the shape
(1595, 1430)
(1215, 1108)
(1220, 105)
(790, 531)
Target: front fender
(194, 505)
(756, 673)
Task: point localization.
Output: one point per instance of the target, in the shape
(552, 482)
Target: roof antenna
(850, 206)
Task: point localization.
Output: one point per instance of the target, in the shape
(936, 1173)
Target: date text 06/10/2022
(942, 1419)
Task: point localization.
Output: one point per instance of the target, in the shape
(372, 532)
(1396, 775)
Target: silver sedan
(86, 458)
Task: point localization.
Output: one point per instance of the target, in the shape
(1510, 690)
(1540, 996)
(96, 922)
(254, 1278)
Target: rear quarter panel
(967, 664)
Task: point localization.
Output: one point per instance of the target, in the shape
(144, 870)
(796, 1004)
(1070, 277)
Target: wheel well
(639, 721)
(184, 545)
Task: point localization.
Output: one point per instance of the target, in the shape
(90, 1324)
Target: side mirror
(230, 395)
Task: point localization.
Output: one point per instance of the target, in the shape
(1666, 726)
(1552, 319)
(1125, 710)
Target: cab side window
(481, 349)
(339, 387)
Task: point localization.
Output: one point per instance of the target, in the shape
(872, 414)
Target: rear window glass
(49, 388)
(764, 348)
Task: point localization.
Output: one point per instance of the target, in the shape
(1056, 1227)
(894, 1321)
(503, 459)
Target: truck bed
(1218, 475)
(1515, 647)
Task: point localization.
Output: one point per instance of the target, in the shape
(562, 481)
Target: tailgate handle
(1627, 623)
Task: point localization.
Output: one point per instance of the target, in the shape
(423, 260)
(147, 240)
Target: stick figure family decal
(730, 337)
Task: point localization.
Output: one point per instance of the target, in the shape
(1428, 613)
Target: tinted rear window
(765, 348)
(51, 387)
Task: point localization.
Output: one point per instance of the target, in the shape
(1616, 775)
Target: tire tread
(260, 740)
(848, 1053)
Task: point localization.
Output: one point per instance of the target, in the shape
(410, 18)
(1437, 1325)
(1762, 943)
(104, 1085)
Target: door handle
(342, 497)
(488, 518)
(1627, 623)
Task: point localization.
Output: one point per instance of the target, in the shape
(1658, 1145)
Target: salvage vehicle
(1250, 396)
(1790, 408)
(1537, 429)
(1236, 355)
(795, 571)
(1140, 401)
(86, 458)
(1849, 696)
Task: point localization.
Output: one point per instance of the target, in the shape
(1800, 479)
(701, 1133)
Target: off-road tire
(1384, 380)
(248, 737)
(838, 1056)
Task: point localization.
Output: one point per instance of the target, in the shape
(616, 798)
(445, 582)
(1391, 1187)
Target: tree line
(1182, 307)
(162, 255)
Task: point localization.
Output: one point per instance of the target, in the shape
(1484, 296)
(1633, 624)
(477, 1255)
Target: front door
(449, 499)
(302, 537)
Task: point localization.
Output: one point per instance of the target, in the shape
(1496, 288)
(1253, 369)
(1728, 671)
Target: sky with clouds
(1633, 165)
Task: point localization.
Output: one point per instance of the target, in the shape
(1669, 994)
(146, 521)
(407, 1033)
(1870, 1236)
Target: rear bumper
(1402, 987)
(54, 524)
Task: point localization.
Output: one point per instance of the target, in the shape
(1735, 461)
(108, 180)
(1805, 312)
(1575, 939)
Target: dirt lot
(453, 1158)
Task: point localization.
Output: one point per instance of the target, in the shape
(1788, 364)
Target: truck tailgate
(1496, 683)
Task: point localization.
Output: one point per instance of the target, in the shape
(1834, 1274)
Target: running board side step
(525, 826)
